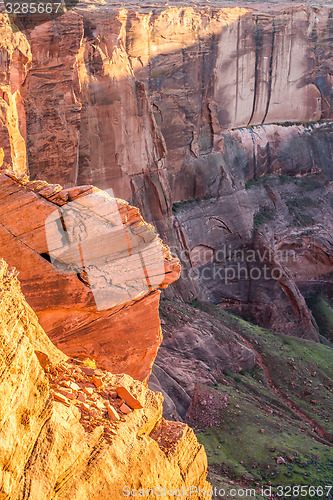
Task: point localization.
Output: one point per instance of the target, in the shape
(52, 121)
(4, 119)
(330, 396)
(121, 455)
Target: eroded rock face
(173, 80)
(267, 243)
(177, 104)
(196, 350)
(14, 64)
(56, 433)
(124, 334)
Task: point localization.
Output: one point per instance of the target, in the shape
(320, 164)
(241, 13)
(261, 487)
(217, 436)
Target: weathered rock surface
(14, 63)
(76, 304)
(170, 79)
(196, 350)
(166, 104)
(53, 446)
(266, 243)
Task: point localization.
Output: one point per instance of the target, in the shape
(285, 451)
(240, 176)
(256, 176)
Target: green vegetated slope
(272, 415)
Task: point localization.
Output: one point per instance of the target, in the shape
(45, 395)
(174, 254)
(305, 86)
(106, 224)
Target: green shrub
(180, 204)
(265, 214)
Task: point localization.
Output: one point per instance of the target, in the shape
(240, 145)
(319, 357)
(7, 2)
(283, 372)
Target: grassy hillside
(281, 410)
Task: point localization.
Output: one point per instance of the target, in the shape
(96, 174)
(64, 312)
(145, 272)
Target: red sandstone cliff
(122, 336)
(123, 97)
(185, 103)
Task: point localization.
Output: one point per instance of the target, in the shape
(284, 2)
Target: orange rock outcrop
(122, 336)
(58, 442)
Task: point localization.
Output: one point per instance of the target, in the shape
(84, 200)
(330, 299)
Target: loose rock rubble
(88, 389)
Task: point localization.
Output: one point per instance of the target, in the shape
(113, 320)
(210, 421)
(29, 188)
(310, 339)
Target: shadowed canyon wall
(216, 123)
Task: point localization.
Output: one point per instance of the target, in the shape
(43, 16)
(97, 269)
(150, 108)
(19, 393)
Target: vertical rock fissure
(270, 72)
(237, 68)
(258, 44)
